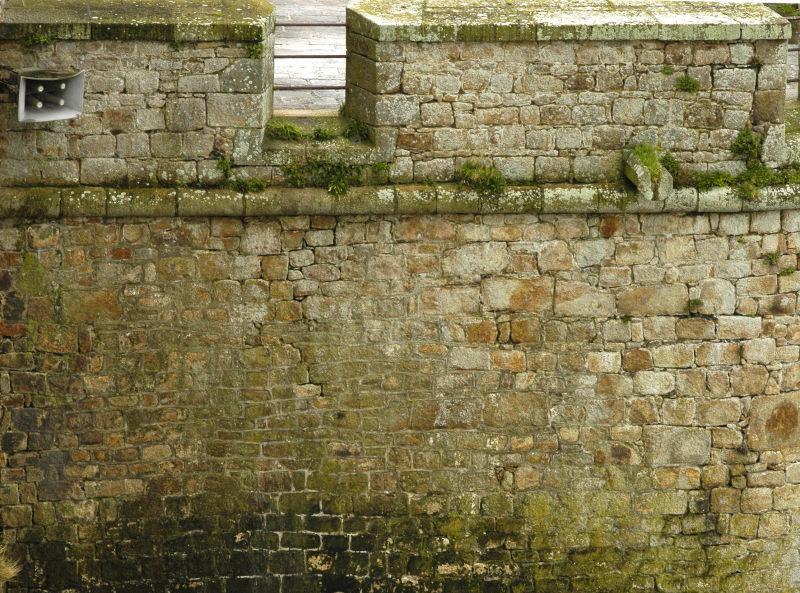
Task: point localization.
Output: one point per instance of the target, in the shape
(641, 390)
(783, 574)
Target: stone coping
(549, 20)
(140, 20)
(48, 203)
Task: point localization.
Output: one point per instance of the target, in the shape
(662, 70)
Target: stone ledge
(550, 20)
(48, 203)
(138, 20)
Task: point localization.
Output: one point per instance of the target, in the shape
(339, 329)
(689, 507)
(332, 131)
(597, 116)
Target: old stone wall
(402, 403)
(555, 111)
(155, 112)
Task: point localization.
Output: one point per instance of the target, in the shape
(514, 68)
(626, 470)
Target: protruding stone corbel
(652, 180)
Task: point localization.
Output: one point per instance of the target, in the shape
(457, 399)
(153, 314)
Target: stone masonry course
(416, 403)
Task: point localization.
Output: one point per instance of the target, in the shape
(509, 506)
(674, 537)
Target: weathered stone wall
(402, 403)
(155, 112)
(563, 111)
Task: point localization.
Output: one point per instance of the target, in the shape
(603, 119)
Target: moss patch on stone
(337, 177)
(484, 179)
(34, 279)
(549, 20)
(648, 156)
(687, 84)
(153, 20)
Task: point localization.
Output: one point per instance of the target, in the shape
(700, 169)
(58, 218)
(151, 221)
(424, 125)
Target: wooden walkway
(309, 54)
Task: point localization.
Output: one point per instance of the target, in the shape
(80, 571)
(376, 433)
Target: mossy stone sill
(52, 203)
(139, 20)
(550, 20)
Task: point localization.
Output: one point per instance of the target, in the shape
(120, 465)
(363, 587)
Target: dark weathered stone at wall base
(399, 403)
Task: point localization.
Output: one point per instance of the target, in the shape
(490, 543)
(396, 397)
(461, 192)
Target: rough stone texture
(155, 112)
(559, 111)
(398, 403)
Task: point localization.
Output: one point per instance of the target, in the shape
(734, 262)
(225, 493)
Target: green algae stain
(33, 279)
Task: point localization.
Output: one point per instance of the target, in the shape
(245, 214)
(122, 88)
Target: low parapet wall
(554, 93)
(170, 90)
(181, 94)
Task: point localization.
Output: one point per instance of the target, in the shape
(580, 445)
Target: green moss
(693, 305)
(36, 40)
(772, 258)
(787, 272)
(283, 130)
(785, 9)
(687, 84)
(247, 186)
(705, 180)
(356, 131)
(255, 51)
(33, 280)
(747, 191)
(757, 175)
(323, 133)
(336, 177)
(648, 156)
(225, 166)
(486, 180)
(670, 164)
(747, 145)
(668, 70)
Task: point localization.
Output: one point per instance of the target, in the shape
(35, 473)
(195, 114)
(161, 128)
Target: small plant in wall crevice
(36, 40)
(225, 166)
(487, 180)
(693, 306)
(687, 84)
(255, 51)
(336, 177)
(249, 186)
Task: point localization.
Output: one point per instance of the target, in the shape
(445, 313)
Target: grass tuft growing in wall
(283, 130)
(255, 51)
(225, 166)
(486, 180)
(670, 163)
(356, 131)
(336, 177)
(747, 145)
(648, 156)
(687, 84)
(757, 175)
(322, 133)
(36, 40)
(248, 186)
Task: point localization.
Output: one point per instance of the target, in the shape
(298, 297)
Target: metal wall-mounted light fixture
(47, 95)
